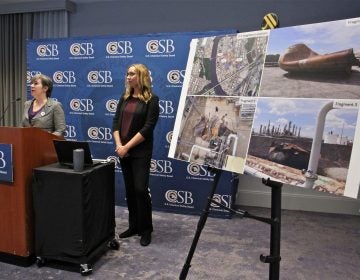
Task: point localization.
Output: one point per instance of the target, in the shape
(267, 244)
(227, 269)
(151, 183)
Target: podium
(31, 147)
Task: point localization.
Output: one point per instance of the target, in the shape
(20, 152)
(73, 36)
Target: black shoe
(127, 233)
(145, 239)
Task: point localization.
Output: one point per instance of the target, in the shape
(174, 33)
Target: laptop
(64, 150)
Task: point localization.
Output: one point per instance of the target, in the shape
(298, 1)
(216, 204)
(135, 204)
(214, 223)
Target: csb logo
(179, 197)
(64, 77)
(116, 160)
(100, 133)
(120, 47)
(82, 105)
(169, 136)
(50, 50)
(30, 74)
(2, 160)
(111, 105)
(176, 76)
(70, 131)
(224, 199)
(100, 77)
(166, 107)
(198, 170)
(82, 49)
(161, 166)
(164, 46)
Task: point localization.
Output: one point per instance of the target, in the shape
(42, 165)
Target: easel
(275, 222)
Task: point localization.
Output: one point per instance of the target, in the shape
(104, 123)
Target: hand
(122, 151)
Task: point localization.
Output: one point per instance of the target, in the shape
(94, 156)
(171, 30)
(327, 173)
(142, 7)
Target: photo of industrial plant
(303, 142)
(215, 131)
(280, 104)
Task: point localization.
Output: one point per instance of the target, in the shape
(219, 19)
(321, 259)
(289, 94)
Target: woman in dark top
(133, 125)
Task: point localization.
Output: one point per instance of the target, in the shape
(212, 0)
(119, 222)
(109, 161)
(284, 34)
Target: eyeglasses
(131, 74)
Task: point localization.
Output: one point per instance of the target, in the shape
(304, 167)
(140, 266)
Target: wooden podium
(31, 147)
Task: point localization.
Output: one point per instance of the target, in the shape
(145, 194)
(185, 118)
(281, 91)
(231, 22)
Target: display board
(280, 104)
(89, 78)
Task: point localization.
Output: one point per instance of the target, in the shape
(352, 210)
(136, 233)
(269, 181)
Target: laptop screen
(64, 150)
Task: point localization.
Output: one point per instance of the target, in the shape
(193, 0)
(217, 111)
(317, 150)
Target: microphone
(7, 107)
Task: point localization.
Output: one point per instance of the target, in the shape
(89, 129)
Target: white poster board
(280, 104)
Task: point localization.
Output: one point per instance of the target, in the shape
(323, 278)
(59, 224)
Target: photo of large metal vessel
(300, 58)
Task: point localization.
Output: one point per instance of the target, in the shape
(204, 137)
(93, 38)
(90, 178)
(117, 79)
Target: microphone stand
(7, 108)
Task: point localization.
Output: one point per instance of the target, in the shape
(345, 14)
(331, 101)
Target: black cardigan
(144, 120)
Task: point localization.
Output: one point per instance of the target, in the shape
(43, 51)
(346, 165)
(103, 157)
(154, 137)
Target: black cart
(74, 214)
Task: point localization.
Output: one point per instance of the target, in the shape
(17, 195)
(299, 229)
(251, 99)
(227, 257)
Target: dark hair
(45, 81)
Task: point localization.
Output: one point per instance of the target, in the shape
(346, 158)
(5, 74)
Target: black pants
(136, 172)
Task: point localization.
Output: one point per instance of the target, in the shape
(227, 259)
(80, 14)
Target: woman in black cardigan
(133, 125)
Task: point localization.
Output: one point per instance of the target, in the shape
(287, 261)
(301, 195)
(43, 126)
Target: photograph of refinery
(217, 105)
(303, 142)
(215, 131)
(274, 105)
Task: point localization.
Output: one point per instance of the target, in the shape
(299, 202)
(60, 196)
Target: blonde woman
(133, 125)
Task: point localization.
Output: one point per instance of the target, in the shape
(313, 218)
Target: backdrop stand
(275, 222)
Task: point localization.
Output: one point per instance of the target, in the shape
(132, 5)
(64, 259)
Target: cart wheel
(40, 261)
(114, 244)
(85, 269)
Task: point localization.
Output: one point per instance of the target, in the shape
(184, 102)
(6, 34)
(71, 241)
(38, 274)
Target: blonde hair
(144, 81)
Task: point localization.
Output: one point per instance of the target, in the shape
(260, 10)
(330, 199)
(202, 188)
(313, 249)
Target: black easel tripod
(275, 222)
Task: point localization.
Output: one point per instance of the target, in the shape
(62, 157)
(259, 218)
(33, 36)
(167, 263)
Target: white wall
(252, 192)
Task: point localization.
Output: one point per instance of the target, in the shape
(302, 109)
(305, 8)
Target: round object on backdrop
(270, 21)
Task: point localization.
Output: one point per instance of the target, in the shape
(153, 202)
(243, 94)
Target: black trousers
(136, 172)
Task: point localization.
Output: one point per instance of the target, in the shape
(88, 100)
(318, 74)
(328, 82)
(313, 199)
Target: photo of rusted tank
(299, 58)
(313, 61)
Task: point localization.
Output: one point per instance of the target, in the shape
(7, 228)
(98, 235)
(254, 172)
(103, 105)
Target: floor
(313, 246)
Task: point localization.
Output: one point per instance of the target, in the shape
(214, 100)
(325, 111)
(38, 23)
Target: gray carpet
(313, 246)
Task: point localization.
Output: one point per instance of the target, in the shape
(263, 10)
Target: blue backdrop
(89, 78)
